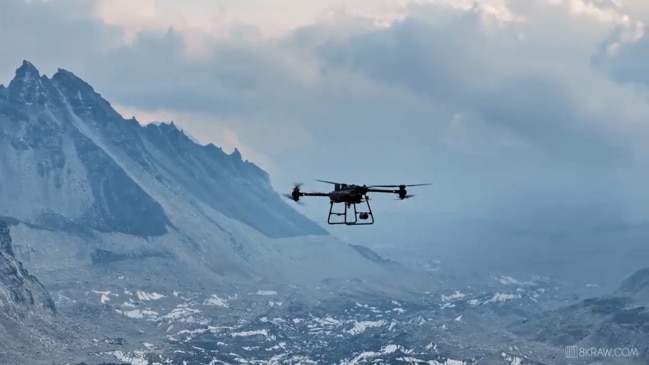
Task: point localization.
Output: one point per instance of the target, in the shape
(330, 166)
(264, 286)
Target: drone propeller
(289, 196)
(405, 197)
(328, 182)
(295, 194)
(399, 186)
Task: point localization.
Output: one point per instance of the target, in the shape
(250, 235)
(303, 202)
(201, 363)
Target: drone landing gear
(365, 218)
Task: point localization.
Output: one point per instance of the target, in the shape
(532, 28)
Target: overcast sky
(508, 107)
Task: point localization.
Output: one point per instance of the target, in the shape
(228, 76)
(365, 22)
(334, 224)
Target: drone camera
(363, 215)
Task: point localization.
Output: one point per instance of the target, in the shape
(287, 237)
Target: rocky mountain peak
(89, 167)
(26, 70)
(28, 85)
(236, 154)
(73, 86)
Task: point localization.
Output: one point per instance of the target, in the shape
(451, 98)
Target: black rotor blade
(405, 197)
(397, 186)
(329, 182)
(289, 196)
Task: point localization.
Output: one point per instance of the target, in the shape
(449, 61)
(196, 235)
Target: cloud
(500, 104)
(195, 18)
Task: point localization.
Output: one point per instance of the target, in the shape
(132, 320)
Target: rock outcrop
(27, 312)
(21, 294)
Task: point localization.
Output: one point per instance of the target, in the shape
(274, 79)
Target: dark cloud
(450, 66)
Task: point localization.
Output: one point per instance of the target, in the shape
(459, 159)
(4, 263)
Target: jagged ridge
(61, 139)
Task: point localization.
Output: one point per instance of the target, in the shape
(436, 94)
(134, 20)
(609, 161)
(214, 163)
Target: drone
(350, 195)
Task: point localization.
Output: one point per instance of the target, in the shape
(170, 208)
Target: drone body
(350, 195)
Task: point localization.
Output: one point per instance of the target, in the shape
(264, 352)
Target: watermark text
(576, 352)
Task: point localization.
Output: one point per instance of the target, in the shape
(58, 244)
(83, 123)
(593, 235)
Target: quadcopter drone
(350, 195)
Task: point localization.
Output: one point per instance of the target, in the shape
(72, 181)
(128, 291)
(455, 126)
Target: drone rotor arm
(373, 190)
(313, 194)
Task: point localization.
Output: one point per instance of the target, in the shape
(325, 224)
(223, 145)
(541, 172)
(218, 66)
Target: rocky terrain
(145, 247)
(29, 326)
(615, 322)
(496, 320)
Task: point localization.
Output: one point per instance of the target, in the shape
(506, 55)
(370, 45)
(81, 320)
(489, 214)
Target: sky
(510, 108)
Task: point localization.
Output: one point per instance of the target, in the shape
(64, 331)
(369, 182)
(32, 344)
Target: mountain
(80, 144)
(90, 191)
(618, 322)
(121, 222)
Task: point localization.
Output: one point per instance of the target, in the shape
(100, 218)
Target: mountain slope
(21, 294)
(53, 173)
(26, 309)
(90, 191)
(74, 134)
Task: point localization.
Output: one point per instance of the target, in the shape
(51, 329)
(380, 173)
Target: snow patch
(181, 312)
(250, 333)
(503, 297)
(215, 300)
(148, 315)
(148, 296)
(511, 359)
(105, 295)
(266, 292)
(455, 296)
(367, 357)
(328, 321)
(360, 327)
(134, 358)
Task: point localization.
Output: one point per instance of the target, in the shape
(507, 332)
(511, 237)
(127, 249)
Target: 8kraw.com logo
(576, 352)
